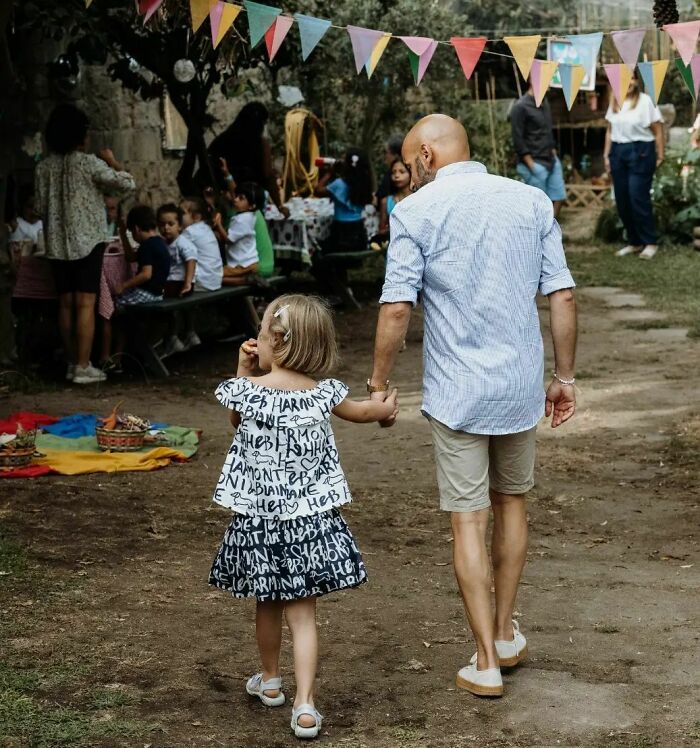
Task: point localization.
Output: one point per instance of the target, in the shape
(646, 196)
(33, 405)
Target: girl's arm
(383, 216)
(247, 367)
(368, 411)
(228, 177)
(139, 279)
(190, 267)
(606, 148)
(658, 129)
(321, 190)
(219, 229)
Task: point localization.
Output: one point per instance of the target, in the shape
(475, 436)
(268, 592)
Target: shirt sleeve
(654, 113)
(231, 393)
(404, 266)
(517, 126)
(338, 191)
(186, 248)
(241, 226)
(109, 180)
(555, 274)
(338, 393)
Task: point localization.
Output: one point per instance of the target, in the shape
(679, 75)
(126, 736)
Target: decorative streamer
(685, 37)
(421, 51)
(221, 18)
(260, 18)
(199, 10)
(619, 76)
(541, 73)
(468, 51)
(377, 52)
(88, 3)
(687, 75)
(695, 73)
(311, 31)
(148, 7)
(571, 77)
(586, 45)
(628, 43)
(524, 49)
(653, 74)
(274, 36)
(363, 43)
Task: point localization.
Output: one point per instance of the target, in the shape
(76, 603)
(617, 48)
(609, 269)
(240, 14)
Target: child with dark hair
(152, 256)
(183, 252)
(195, 216)
(28, 226)
(239, 241)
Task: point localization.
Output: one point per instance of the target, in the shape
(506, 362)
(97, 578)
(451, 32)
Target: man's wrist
(375, 385)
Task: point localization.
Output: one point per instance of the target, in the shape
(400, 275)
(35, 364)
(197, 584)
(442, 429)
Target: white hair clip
(355, 159)
(278, 314)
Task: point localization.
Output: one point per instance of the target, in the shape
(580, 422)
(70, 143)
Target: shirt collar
(461, 167)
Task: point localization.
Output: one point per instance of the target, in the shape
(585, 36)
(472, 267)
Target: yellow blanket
(79, 463)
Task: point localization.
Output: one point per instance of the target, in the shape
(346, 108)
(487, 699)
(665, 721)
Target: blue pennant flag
(311, 31)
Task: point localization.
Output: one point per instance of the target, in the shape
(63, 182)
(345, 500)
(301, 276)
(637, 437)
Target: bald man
(479, 248)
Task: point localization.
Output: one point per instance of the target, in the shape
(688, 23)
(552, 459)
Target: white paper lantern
(184, 71)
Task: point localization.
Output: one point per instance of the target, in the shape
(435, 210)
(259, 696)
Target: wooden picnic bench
(139, 314)
(348, 258)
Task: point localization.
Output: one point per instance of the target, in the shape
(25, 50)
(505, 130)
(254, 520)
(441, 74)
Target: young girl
(239, 240)
(288, 543)
(400, 188)
(210, 266)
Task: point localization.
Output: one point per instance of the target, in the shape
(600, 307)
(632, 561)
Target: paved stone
(635, 315)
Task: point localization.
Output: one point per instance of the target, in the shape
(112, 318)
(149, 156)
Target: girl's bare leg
(268, 631)
(301, 619)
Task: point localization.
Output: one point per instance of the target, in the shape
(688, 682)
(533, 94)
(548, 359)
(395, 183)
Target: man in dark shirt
(538, 164)
(152, 256)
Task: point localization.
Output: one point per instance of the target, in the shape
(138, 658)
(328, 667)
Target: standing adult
(248, 152)
(634, 148)
(479, 247)
(392, 152)
(533, 139)
(70, 189)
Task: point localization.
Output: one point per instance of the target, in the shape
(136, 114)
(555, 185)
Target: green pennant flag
(687, 76)
(260, 18)
(414, 59)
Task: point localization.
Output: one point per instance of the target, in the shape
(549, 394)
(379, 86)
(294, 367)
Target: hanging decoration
(524, 49)
(628, 43)
(541, 72)
(653, 74)
(586, 45)
(148, 7)
(377, 52)
(420, 51)
(88, 3)
(468, 52)
(184, 70)
(311, 31)
(619, 76)
(571, 77)
(274, 36)
(665, 12)
(199, 10)
(221, 17)
(685, 37)
(260, 18)
(363, 43)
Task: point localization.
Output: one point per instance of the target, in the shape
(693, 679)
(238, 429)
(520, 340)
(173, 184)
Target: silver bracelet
(569, 382)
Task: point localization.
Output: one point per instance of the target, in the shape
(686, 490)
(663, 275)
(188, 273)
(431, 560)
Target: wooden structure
(583, 196)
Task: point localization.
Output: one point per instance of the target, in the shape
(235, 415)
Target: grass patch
(647, 324)
(111, 698)
(13, 562)
(670, 282)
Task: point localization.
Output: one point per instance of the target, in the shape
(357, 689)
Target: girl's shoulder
(302, 407)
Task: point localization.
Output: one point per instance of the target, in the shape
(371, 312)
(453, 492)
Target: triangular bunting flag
(148, 8)
(88, 3)
(421, 51)
(619, 76)
(695, 73)
(377, 52)
(524, 49)
(260, 18)
(363, 43)
(587, 46)
(571, 77)
(541, 73)
(221, 18)
(468, 52)
(199, 10)
(274, 36)
(628, 44)
(653, 74)
(687, 75)
(311, 31)
(685, 37)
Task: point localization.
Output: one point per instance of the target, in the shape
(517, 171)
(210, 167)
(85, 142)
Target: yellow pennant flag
(377, 52)
(199, 10)
(541, 73)
(524, 49)
(229, 13)
(88, 3)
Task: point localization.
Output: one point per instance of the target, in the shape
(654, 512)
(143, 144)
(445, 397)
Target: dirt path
(609, 600)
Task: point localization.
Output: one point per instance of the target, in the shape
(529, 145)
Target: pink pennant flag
(148, 8)
(468, 52)
(363, 43)
(628, 44)
(424, 49)
(619, 76)
(685, 37)
(695, 72)
(274, 36)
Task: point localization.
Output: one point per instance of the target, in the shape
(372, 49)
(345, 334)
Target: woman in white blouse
(634, 148)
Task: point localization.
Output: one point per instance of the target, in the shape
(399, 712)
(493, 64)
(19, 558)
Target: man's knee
(468, 521)
(500, 499)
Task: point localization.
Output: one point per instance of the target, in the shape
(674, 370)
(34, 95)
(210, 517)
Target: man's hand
(561, 403)
(381, 397)
(248, 358)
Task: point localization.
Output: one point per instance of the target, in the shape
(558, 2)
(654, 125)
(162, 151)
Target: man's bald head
(434, 141)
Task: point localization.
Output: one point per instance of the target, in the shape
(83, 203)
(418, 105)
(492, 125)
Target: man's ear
(426, 154)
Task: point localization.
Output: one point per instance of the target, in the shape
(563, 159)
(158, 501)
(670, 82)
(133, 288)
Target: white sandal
(256, 686)
(306, 732)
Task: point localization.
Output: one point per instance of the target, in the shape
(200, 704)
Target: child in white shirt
(29, 226)
(239, 241)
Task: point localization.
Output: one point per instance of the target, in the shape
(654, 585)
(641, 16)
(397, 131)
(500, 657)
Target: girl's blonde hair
(307, 341)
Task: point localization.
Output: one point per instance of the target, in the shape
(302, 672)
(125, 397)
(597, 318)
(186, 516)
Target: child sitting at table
(152, 257)
(239, 241)
(28, 225)
(209, 270)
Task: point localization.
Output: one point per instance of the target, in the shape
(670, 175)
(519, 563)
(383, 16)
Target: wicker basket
(118, 440)
(16, 458)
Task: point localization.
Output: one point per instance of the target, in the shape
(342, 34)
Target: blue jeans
(632, 166)
(551, 182)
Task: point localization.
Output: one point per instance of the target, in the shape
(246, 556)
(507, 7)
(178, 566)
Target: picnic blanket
(68, 447)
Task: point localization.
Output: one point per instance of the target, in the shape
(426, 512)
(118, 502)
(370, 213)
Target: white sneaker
(88, 375)
(173, 344)
(70, 372)
(480, 682)
(510, 653)
(649, 252)
(628, 250)
(191, 341)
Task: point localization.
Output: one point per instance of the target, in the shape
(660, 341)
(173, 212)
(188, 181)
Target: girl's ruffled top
(283, 462)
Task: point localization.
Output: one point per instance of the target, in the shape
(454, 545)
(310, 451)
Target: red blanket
(28, 421)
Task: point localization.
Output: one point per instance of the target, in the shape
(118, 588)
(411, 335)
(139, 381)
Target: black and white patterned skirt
(287, 559)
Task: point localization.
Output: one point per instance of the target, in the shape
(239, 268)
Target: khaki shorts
(468, 465)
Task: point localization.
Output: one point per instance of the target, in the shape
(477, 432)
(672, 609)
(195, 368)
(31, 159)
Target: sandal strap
(309, 711)
(274, 684)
